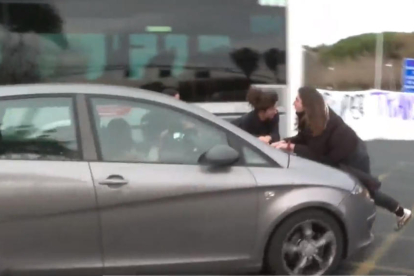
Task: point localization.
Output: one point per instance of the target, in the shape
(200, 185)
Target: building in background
(211, 51)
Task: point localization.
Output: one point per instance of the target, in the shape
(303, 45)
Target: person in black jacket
(172, 92)
(324, 137)
(263, 120)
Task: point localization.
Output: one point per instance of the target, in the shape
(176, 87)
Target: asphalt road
(391, 253)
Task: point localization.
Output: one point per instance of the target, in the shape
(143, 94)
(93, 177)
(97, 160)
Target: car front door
(160, 210)
(48, 216)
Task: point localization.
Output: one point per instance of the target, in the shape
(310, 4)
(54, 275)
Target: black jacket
(338, 146)
(333, 146)
(251, 123)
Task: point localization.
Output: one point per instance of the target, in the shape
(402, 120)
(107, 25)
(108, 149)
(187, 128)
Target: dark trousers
(360, 167)
(385, 201)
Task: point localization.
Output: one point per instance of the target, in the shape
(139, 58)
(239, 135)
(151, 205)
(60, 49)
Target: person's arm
(274, 129)
(237, 122)
(341, 143)
(240, 122)
(305, 152)
(244, 122)
(298, 139)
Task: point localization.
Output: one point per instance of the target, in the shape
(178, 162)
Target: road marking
(399, 165)
(382, 177)
(404, 271)
(366, 267)
(385, 235)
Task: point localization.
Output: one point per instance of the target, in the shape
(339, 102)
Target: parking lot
(392, 253)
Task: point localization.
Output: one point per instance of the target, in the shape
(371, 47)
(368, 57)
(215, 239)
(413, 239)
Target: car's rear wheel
(309, 242)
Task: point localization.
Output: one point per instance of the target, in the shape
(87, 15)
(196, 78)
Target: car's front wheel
(309, 242)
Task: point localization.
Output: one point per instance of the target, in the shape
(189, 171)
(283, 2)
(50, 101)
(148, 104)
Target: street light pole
(393, 85)
(378, 60)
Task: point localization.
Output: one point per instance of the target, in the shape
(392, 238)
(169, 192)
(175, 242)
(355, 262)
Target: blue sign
(408, 75)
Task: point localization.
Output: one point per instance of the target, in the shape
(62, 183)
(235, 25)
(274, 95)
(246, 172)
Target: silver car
(108, 180)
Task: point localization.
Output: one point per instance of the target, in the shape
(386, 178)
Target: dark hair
(170, 91)
(314, 106)
(261, 100)
(122, 129)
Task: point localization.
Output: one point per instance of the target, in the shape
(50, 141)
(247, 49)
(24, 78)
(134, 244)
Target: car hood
(304, 171)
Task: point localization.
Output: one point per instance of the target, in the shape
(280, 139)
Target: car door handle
(114, 181)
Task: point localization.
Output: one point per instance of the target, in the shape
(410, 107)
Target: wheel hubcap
(309, 249)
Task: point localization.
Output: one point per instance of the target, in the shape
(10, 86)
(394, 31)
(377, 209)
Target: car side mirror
(220, 155)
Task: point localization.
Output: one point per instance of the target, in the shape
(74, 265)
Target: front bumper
(359, 216)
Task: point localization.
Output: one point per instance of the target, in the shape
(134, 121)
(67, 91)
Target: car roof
(59, 88)
(96, 89)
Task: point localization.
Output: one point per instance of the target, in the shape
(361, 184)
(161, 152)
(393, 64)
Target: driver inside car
(165, 136)
(119, 143)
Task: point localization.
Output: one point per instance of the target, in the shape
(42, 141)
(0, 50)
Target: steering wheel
(179, 145)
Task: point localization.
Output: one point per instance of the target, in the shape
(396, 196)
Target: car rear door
(160, 210)
(48, 216)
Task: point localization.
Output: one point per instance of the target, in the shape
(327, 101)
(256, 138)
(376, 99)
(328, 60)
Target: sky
(328, 21)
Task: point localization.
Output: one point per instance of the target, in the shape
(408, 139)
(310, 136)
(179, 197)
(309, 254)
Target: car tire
(276, 262)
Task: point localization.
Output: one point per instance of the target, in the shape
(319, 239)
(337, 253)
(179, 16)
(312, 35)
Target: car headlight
(361, 190)
(358, 189)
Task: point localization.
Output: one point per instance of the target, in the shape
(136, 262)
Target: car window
(133, 131)
(38, 129)
(252, 158)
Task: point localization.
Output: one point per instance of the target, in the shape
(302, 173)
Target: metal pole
(295, 63)
(378, 60)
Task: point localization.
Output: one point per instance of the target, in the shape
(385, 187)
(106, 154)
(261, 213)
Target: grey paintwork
(60, 216)
(48, 216)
